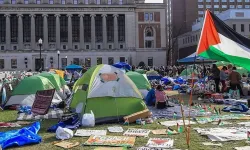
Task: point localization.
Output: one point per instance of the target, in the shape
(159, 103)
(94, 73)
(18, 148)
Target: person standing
(216, 77)
(223, 78)
(235, 81)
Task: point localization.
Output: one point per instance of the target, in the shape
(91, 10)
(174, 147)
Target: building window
(99, 60)
(52, 28)
(122, 59)
(224, 6)
(98, 46)
(51, 1)
(110, 61)
(13, 1)
(2, 48)
(2, 28)
(64, 28)
(200, 0)
(121, 28)
(87, 46)
(1, 63)
(98, 2)
(216, 12)
(224, 0)
(64, 47)
(75, 28)
(13, 63)
(75, 1)
(150, 61)
(200, 12)
(216, 6)
(208, 0)
(98, 28)
(121, 46)
(196, 38)
(232, 6)
(88, 62)
(183, 41)
(149, 37)
(1, 1)
(110, 28)
(200, 6)
(63, 1)
(26, 28)
(231, 0)
(76, 46)
(247, 0)
(14, 28)
(38, 1)
(110, 46)
(151, 16)
(109, 2)
(76, 61)
(14, 47)
(120, 2)
(87, 28)
(86, 1)
(234, 27)
(216, 0)
(146, 16)
(242, 28)
(239, 0)
(26, 1)
(208, 6)
(247, 6)
(239, 6)
(64, 62)
(39, 27)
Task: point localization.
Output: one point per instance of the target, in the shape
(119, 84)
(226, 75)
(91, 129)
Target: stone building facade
(86, 32)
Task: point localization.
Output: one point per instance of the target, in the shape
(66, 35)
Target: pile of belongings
(238, 107)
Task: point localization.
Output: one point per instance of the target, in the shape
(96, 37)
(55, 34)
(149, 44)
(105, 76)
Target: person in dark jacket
(216, 77)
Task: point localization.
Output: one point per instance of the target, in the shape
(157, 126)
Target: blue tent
(73, 67)
(191, 58)
(122, 65)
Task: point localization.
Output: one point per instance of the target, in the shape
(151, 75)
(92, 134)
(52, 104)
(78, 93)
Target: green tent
(55, 79)
(141, 71)
(139, 80)
(31, 85)
(222, 63)
(108, 92)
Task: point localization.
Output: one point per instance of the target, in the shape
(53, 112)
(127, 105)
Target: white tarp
(112, 82)
(224, 134)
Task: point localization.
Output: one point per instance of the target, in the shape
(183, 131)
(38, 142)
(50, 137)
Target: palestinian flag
(220, 42)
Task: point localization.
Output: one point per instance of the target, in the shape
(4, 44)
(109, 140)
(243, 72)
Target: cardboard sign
(160, 143)
(118, 141)
(82, 132)
(66, 145)
(160, 132)
(136, 132)
(115, 129)
(42, 102)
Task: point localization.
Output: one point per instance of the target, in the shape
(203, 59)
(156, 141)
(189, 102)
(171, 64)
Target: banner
(119, 141)
(136, 132)
(160, 143)
(82, 132)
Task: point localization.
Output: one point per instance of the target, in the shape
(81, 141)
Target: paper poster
(118, 141)
(115, 129)
(136, 132)
(174, 123)
(160, 143)
(82, 132)
(160, 132)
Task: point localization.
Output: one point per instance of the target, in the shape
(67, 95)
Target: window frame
(13, 63)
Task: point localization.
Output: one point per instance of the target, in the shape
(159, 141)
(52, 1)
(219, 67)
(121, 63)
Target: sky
(154, 1)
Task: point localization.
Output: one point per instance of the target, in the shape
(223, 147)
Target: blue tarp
(236, 108)
(73, 67)
(122, 65)
(24, 136)
(191, 58)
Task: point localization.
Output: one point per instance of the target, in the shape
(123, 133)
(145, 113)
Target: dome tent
(108, 92)
(139, 80)
(24, 93)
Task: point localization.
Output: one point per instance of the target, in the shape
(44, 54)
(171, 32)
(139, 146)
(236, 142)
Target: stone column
(92, 31)
(45, 32)
(81, 31)
(33, 32)
(20, 31)
(69, 32)
(58, 42)
(115, 31)
(8, 40)
(104, 30)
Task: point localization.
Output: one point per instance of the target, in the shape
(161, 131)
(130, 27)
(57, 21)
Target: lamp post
(40, 42)
(58, 54)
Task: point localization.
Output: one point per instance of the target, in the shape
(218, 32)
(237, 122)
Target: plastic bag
(63, 133)
(88, 120)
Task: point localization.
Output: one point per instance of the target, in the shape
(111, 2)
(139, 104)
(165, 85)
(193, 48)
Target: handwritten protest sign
(82, 132)
(115, 129)
(160, 143)
(136, 132)
(119, 141)
(160, 132)
(42, 102)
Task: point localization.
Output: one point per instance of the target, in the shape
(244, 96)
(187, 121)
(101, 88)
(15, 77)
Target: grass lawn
(179, 140)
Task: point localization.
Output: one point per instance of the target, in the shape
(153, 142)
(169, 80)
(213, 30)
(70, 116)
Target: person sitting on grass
(160, 98)
(150, 98)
